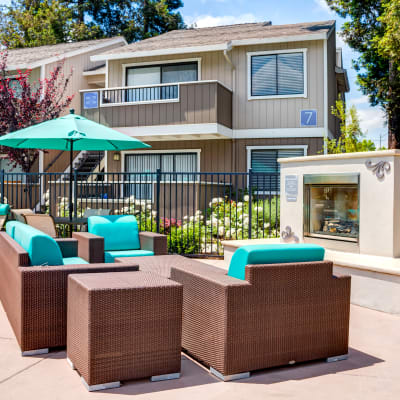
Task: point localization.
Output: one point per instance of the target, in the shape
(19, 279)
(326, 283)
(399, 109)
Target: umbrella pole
(71, 172)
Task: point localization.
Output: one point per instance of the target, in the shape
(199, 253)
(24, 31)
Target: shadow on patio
(194, 374)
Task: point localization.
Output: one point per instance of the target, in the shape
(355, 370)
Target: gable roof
(32, 57)
(219, 38)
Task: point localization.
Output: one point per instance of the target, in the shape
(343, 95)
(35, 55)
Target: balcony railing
(139, 94)
(197, 102)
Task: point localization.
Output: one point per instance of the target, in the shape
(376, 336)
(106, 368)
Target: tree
(351, 138)
(378, 72)
(389, 43)
(28, 23)
(23, 103)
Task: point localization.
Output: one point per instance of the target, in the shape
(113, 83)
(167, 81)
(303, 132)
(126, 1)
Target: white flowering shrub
(204, 231)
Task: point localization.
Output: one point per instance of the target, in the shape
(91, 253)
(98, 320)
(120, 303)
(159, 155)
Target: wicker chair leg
(101, 386)
(165, 377)
(227, 378)
(337, 358)
(34, 352)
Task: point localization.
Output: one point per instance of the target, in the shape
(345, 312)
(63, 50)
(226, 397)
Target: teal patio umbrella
(71, 133)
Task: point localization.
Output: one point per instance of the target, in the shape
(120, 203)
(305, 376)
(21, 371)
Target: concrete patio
(371, 372)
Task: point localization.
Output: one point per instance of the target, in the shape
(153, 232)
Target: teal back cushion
(4, 209)
(272, 254)
(120, 232)
(10, 227)
(42, 249)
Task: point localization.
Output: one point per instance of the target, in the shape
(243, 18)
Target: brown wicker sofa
(35, 297)
(280, 314)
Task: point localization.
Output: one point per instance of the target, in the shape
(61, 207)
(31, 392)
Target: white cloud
(371, 118)
(322, 4)
(203, 21)
(359, 100)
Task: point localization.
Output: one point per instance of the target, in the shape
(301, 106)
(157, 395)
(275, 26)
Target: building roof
(34, 56)
(220, 37)
(98, 70)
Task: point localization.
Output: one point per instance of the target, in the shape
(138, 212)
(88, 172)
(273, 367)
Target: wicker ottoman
(123, 326)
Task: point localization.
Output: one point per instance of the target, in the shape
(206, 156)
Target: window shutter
(287, 153)
(290, 74)
(266, 161)
(277, 74)
(263, 76)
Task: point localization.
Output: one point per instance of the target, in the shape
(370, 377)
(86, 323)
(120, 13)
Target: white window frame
(176, 61)
(183, 151)
(249, 149)
(177, 151)
(264, 53)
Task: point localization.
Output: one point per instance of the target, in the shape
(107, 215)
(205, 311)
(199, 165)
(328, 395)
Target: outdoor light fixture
(117, 156)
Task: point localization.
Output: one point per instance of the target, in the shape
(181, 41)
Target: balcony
(202, 102)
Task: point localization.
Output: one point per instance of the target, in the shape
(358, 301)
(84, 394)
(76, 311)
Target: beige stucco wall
(251, 114)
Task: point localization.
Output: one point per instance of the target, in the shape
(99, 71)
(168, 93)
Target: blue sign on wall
(90, 100)
(308, 117)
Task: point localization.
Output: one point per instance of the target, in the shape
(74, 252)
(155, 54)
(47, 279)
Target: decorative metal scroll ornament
(287, 234)
(379, 169)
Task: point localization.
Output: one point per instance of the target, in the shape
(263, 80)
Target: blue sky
(222, 12)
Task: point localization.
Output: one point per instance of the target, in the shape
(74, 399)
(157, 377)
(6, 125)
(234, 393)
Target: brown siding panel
(199, 103)
(221, 155)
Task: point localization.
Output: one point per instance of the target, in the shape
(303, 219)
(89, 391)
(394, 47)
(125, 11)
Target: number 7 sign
(308, 118)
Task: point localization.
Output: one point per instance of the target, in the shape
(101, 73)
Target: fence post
(250, 200)
(158, 187)
(75, 205)
(2, 185)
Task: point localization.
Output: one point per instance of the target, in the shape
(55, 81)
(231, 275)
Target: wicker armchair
(43, 222)
(35, 297)
(281, 314)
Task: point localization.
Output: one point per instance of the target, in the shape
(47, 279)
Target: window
(266, 161)
(12, 173)
(16, 86)
(144, 166)
(158, 74)
(280, 74)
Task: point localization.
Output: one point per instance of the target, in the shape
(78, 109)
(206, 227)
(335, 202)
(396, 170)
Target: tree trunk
(146, 12)
(393, 108)
(81, 11)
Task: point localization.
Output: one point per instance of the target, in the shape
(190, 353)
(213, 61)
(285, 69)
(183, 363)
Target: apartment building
(221, 99)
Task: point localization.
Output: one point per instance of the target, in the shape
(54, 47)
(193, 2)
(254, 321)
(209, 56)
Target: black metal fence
(197, 210)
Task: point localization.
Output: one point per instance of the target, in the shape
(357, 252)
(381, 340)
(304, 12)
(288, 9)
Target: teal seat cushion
(110, 256)
(74, 260)
(272, 254)
(4, 209)
(10, 227)
(120, 232)
(41, 248)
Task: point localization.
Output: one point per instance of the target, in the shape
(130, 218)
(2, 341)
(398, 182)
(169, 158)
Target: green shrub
(224, 219)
